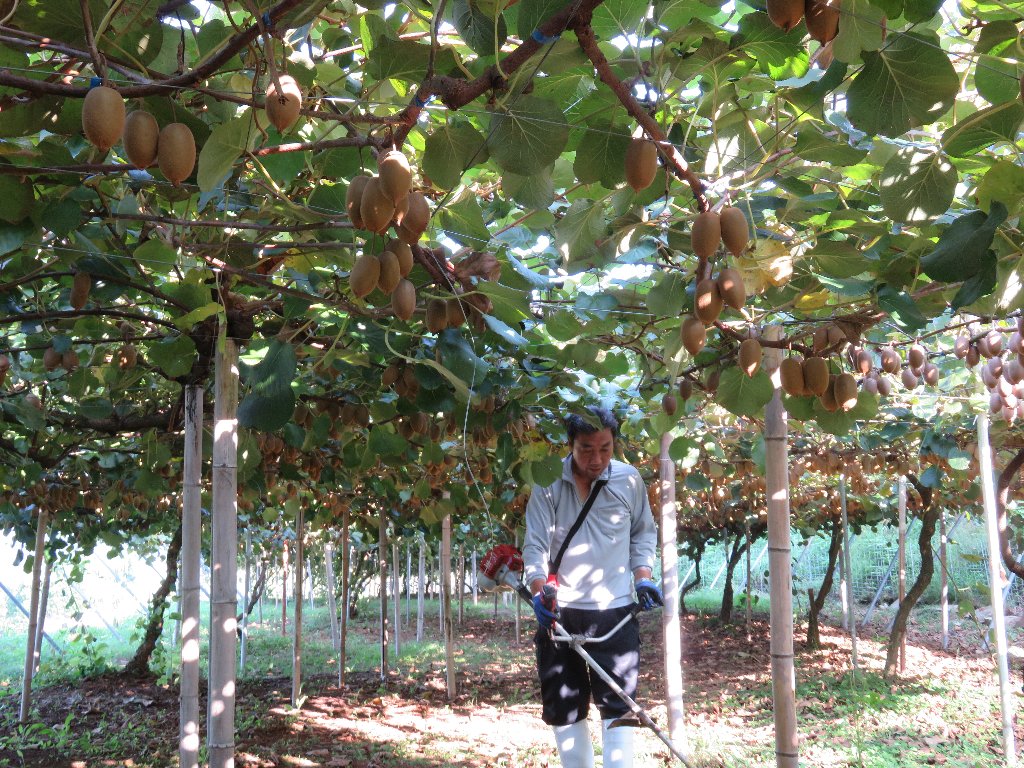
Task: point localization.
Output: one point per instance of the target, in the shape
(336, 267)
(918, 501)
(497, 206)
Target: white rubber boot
(618, 745)
(574, 746)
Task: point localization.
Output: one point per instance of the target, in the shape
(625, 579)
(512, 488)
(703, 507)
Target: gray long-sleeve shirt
(617, 537)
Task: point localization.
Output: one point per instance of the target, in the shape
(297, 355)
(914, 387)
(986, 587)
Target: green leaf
(668, 294)
(779, 54)
(477, 28)
(13, 236)
(981, 283)
(744, 395)
(601, 155)
(156, 254)
(998, 79)
(266, 413)
(224, 146)
(813, 147)
(463, 221)
(62, 216)
(17, 196)
(576, 234)
(404, 60)
(983, 129)
(901, 308)
(1004, 182)
(962, 246)
(547, 470)
(861, 28)
(383, 442)
(909, 83)
(840, 422)
(618, 17)
(917, 185)
(197, 315)
(449, 150)
(685, 450)
(505, 331)
(535, 191)
(529, 136)
(458, 357)
(174, 355)
(563, 325)
(273, 374)
(533, 12)
(918, 11)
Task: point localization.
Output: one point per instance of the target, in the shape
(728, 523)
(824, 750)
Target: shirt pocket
(611, 519)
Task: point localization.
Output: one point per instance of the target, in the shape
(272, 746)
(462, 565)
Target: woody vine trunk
(139, 664)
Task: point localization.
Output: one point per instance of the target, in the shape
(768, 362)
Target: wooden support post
(284, 587)
(397, 599)
(776, 432)
(382, 555)
(848, 567)
(473, 579)
(944, 585)
(44, 599)
(224, 560)
(346, 561)
(189, 591)
(671, 628)
(421, 588)
(332, 596)
(461, 583)
(746, 587)
(300, 570)
(246, 589)
(995, 583)
(408, 583)
(446, 602)
(902, 566)
(42, 521)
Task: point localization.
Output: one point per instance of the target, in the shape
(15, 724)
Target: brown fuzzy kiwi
(822, 19)
(376, 207)
(353, 198)
(34, 401)
(973, 356)
(456, 313)
(390, 375)
(864, 362)
(836, 336)
(641, 163)
(437, 315)
(845, 389)
(884, 386)
(735, 232)
(713, 379)
(103, 117)
(404, 253)
(364, 275)
(785, 14)
(176, 152)
(127, 356)
(706, 234)
(931, 374)
(81, 284)
(401, 208)
(730, 287)
(917, 357)
(694, 334)
(890, 360)
(5, 366)
(141, 137)
(819, 339)
(417, 217)
(395, 175)
(685, 388)
(283, 106)
(390, 272)
(994, 339)
(816, 375)
(791, 374)
(69, 360)
(51, 359)
(707, 301)
(908, 378)
(828, 397)
(750, 356)
(669, 404)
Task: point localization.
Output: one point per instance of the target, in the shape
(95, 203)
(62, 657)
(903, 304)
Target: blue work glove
(648, 594)
(545, 616)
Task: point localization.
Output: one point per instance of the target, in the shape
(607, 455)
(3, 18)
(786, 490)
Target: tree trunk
(256, 594)
(738, 548)
(139, 664)
(37, 571)
(691, 585)
(346, 562)
(1002, 496)
(924, 578)
(818, 601)
(44, 599)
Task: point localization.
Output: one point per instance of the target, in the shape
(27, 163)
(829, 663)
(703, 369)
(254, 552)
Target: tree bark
(139, 664)
(738, 548)
(691, 585)
(1002, 496)
(256, 593)
(929, 520)
(818, 601)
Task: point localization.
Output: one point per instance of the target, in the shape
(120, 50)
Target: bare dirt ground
(939, 712)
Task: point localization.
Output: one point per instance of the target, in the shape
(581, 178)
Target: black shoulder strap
(594, 491)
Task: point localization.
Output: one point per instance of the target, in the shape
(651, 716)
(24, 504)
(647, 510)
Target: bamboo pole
(224, 559)
(332, 597)
(781, 582)
(995, 587)
(473, 580)
(461, 584)
(902, 566)
(247, 588)
(746, 587)
(421, 579)
(408, 583)
(189, 592)
(382, 555)
(671, 628)
(346, 562)
(309, 574)
(847, 566)
(284, 587)
(396, 598)
(44, 599)
(446, 602)
(944, 584)
(300, 570)
(42, 521)
(519, 637)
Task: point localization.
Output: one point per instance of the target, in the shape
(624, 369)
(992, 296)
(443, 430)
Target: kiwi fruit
(81, 284)
(791, 374)
(730, 287)
(930, 374)
(973, 356)
(401, 208)
(127, 356)
(917, 357)
(995, 342)
(735, 232)
(908, 378)
(828, 397)
(822, 19)
(404, 253)
(283, 106)
(376, 207)
(390, 273)
(456, 313)
(417, 217)
(750, 356)
(706, 234)
(437, 315)
(870, 384)
(69, 360)
(685, 388)
(819, 339)
(707, 301)
(353, 198)
(694, 334)
(176, 152)
(845, 390)
(641, 163)
(669, 404)
(395, 175)
(34, 401)
(863, 361)
(884, 386)
(365, 275)
(816, 375)
(713, 379)
(890, 358)
(5, 366)
(141, 136)
(785, 14)
(390, 375)
(103, 117)
(51, 359)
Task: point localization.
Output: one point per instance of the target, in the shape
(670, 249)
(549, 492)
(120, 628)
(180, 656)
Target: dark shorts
(567, 683)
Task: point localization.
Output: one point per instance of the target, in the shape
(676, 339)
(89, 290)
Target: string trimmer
(502, 566)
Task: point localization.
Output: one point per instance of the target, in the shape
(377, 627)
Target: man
(590, 587)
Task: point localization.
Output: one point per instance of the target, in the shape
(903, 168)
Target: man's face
(592, 453)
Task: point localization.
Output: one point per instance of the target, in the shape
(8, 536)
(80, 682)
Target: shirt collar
(567, 470)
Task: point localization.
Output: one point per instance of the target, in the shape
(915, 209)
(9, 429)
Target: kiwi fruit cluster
(5, 366)
(711, 229)
(52, 359)
(821, 16)
(1000, 363)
